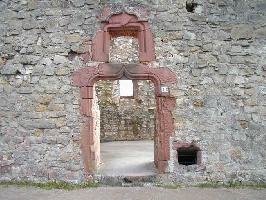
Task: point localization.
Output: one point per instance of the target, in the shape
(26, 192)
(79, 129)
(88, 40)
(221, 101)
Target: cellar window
(187, 156)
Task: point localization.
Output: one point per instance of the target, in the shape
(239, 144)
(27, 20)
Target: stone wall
(216, 47)
(124, 50)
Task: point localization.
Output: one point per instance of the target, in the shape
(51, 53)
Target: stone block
(242, 31)
(51, 26)
(2, 61)
(11, 69)
(22, 14)
(86, 106)
(60, 122)
(29, 24)
(41, 108)
(260, 33)
(236, 154)
(237, 59)
(207, 81)
(198, 103)
(44, 99)
(238, 91)
(73, 38)
(62, 71)
(49, 70)
(56, 107)
(29, 59)
(224, 58)
(239, 80)
(50, 140)
(25, 90)
(87, 92)
(222, 68)
(60, 59)
(78, 3)
(189, 35)
(65, 89)
(38, 123)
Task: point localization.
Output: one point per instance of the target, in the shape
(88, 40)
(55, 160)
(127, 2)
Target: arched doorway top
(163, 76)
(122, 19)
(113, 9)
(123, 24)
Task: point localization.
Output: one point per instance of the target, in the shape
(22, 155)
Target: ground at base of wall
(162, 181)
(111, 193)
(129, 181)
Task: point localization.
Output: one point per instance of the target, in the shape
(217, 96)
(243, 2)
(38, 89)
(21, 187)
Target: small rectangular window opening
(187, 156)
(126, 88)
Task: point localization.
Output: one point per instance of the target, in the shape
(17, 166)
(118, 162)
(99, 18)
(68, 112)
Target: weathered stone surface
(73, 38)
(62, 71)
(41, 108)
(11, 69)
(60, 59)
(78, 3)
(1, 61)
(260, 33)
(242, 31)
(51, 26)
(29, 59)
(29, 24)
(217, 51)
(239, 80)
(38, 123)
(49, 70)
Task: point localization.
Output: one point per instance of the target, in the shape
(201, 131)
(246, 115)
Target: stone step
(126, 181)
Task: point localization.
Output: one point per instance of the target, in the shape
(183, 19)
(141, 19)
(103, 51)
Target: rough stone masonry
(217, 48)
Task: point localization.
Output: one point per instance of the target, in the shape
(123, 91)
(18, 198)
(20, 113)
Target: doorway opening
(127, 126)
(162, 78)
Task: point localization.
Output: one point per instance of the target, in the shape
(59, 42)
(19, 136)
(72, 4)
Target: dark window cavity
(187, 156)
(191, 6)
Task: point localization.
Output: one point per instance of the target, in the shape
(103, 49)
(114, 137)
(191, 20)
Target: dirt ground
(131, 193)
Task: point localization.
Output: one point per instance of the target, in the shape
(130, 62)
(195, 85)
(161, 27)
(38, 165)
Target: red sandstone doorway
(161, 77)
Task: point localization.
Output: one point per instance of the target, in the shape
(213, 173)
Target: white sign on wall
(164, 89)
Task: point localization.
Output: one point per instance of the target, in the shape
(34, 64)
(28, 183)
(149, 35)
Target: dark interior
(187, 156)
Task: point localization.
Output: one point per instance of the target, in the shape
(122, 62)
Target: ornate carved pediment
(123, 24)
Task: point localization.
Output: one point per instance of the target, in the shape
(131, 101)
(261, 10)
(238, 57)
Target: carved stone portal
(85, 79)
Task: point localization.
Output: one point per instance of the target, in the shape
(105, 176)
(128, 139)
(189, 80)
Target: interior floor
(127, 158)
